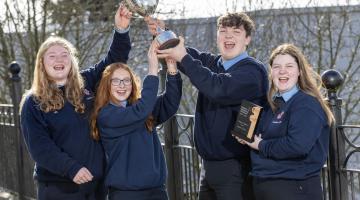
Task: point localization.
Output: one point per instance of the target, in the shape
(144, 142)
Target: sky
(208, 8)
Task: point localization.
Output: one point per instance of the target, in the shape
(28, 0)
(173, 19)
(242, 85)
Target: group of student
(92, 133)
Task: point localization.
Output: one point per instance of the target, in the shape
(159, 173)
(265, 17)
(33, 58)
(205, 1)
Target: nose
(228, 35)
(121, 84)
(59, 59)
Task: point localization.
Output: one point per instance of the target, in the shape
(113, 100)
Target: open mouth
(121, 92)
(59, 67)
(283, 80)
(229, 45)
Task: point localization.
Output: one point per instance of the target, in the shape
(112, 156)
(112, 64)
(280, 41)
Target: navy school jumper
(59, 141)
(135, 160)
(219, 98)
(296, 140)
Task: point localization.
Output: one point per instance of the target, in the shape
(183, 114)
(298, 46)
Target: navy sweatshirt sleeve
(302, 133)
(41, 146)
(227, 88)
(114, 118)
(118, 52)
(168, 103)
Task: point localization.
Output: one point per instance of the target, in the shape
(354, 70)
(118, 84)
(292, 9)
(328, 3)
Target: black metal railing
(340, 181)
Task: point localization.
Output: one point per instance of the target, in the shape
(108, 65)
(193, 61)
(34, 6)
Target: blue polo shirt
(228, 63)
(288, 94)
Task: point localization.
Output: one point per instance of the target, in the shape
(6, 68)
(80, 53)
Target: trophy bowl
(166, 38)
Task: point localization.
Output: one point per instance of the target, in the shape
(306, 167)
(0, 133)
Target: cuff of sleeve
(185, 61)
(120, 30)
(176, 76)
(151, 78)
(73, 171)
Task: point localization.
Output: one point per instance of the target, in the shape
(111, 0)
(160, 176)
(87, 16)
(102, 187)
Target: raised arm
(168, 103)
(228, 88)
(118, 51)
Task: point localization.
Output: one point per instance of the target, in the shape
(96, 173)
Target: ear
(247, 40)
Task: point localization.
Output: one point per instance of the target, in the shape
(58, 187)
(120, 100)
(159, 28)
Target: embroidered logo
(86, 92)
(279, 116)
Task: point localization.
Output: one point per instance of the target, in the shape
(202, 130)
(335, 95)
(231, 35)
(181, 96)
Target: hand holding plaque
(246, 121)
(145, 8)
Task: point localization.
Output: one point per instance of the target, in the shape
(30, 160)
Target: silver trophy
(166, 38)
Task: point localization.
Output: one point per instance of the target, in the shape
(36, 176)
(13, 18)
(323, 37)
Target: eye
(127, 81)
(237, 31)
(290, 66)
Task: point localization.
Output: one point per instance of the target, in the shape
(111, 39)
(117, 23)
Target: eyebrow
(292, 63)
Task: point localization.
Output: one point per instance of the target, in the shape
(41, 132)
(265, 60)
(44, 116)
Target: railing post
(172, 156)
(338, 182)
(16, 93)
(173, 159)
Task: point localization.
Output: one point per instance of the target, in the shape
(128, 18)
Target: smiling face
(121, 85)
(232, 41)
(284, 72)
(57, 63)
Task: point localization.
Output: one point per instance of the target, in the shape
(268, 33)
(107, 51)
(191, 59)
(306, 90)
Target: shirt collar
(228, 63)
(122, 104)
(287, 95)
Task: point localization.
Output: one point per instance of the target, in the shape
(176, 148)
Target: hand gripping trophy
(166, 38)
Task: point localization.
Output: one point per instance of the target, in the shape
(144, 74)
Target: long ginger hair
(104, 96)
(309, 81)
(45, 91)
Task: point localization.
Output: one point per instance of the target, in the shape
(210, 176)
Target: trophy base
(169, 44)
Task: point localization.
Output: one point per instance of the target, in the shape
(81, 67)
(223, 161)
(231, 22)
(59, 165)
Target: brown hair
(236, 20)
(309, 81)
(45, 91)
(103, 96)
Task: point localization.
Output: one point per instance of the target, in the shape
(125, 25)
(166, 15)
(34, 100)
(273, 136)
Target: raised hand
(177, 53)
(122, 17)
(153, 23)
(83, 176)
(153, 59)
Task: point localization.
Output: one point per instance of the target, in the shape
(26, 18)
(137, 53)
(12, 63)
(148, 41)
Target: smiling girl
(292, 145)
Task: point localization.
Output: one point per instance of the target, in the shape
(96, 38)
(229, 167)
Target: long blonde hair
(45, 91)
(309, 81)
(103, 96)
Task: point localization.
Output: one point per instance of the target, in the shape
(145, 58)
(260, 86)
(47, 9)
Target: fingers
(83, 176)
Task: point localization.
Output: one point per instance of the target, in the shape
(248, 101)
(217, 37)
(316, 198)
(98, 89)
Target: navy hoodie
(220, 94)
(295, 140)
(59, 141)
(135, 160)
